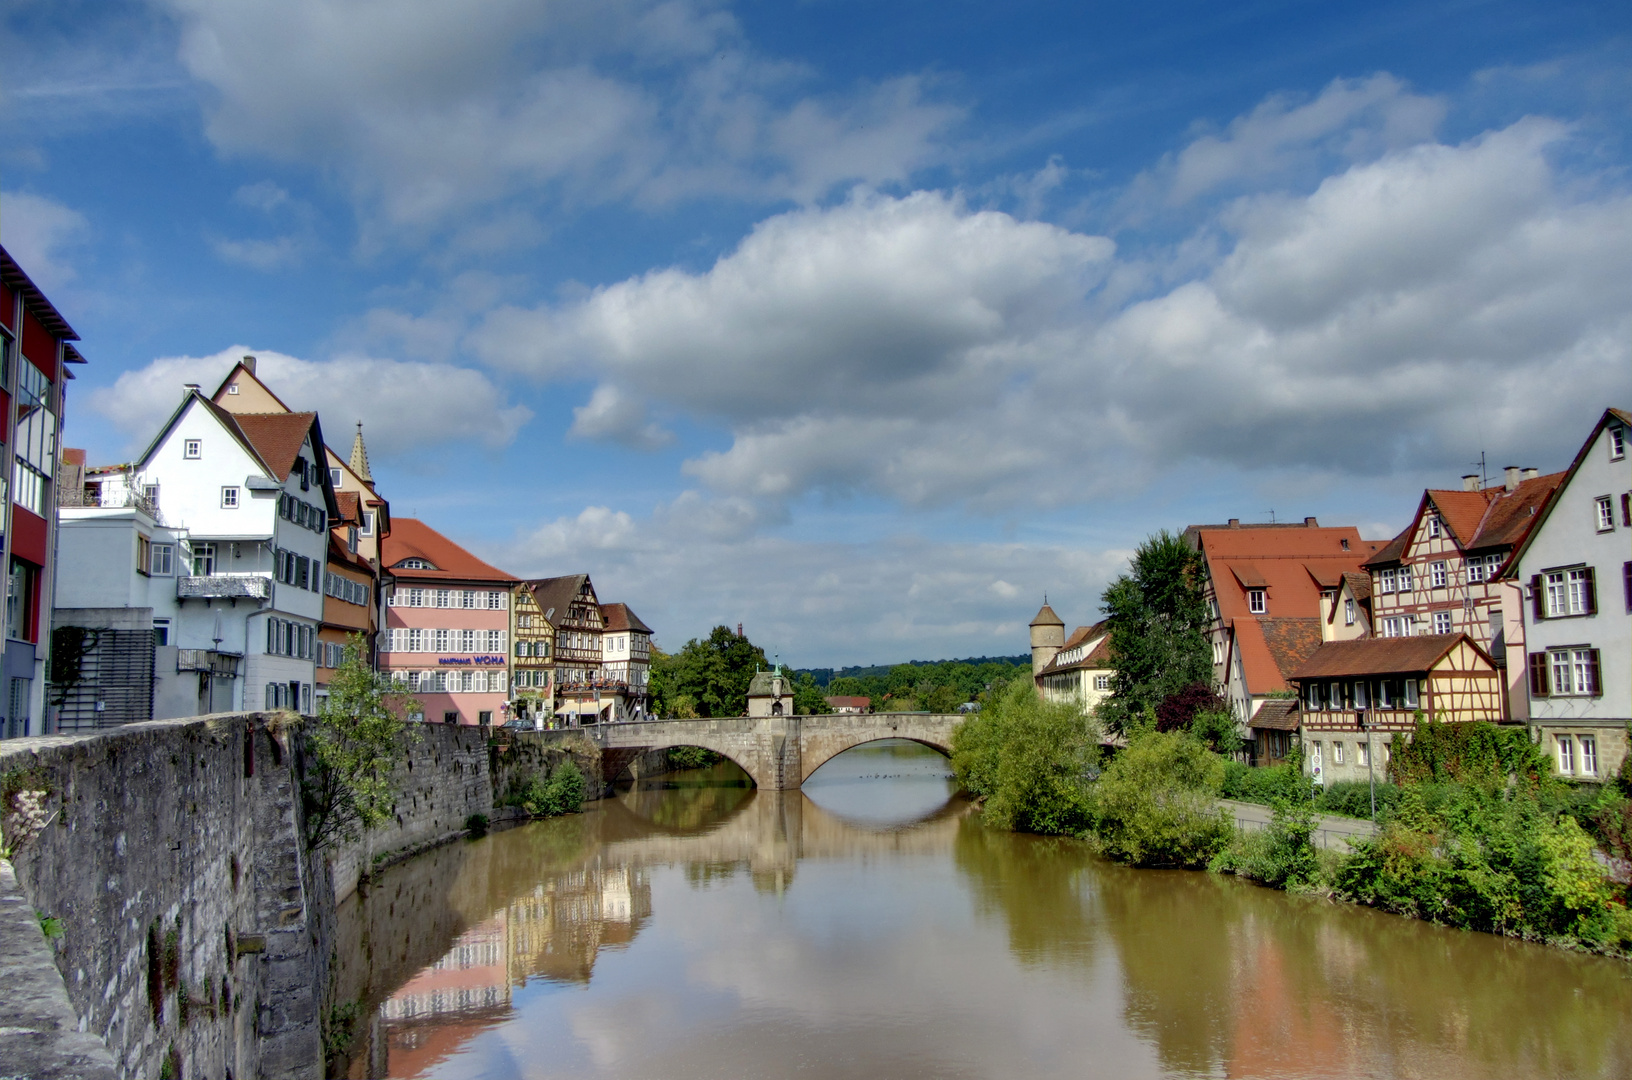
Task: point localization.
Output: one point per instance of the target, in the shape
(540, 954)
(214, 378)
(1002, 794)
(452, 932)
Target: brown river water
(869, 926)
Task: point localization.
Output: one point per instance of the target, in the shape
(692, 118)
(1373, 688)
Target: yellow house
(534, 664)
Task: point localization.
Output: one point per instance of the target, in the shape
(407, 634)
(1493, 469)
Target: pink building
(447, 622)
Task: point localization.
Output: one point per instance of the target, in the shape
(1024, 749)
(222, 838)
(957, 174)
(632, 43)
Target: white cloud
(270, 254)
(614, 416)
(697, 562)
(39, 233)
(433, 111)
(1403, 313)
(404, 405)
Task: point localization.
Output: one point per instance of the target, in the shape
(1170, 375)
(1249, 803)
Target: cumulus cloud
(434, 110)
(404, 405)
(612, 415)
(40, 232)
(1404, 311)
(698, 561)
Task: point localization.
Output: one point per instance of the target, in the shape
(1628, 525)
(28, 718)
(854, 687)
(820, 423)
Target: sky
(863, 325)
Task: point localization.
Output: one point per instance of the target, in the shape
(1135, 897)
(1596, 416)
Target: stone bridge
(777, 752)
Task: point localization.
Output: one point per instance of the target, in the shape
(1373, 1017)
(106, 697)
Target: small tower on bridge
(770, 693)
(1047, 637)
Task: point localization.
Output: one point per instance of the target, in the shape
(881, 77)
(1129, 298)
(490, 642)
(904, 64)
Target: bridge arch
(822, 742)
(615, 762)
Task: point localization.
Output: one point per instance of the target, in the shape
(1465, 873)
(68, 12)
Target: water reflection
(694, 931)
(849, 786)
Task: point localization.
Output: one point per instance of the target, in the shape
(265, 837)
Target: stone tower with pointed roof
(1047, 637)
(359, 457)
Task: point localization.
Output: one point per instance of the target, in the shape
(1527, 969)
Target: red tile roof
(350, 508)
(1286, 561)
(277, 437)
(411, 538)
(1377, 656)
(619, 617)
(1491, 518)
(1097, 657)
(849, 702)
(1278, 714)
(1271, 649)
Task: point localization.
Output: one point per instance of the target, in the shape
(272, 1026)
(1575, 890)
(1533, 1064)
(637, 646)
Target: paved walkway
(1331, 831)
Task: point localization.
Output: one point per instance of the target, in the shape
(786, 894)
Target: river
(869, 926)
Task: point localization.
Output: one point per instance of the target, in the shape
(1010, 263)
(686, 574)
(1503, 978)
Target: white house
(1575, 570)
(220, 528)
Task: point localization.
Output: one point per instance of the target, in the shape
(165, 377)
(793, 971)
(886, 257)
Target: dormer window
(1345, 542)
(415, 564)
(1255, 601)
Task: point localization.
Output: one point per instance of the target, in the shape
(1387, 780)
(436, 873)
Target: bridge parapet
(777, 752)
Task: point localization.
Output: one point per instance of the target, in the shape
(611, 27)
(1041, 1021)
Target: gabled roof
(1097, 657)
(1545, 510)
(1272, 648)
(1277, 714)
(1492, 517)
(1288, 561)
(339, 554)
(350, 508)
(619, 617)
(411, 538)
(1359, 584)
(277, 437)
(554, 596)
(1382, 656)
(248, 372)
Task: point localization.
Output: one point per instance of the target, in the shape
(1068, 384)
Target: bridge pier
(779, 753)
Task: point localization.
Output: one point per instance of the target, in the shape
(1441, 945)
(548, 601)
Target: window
(1405, 579)
(1561, 593)
(1337, 753)
(1385, 695)
(1442, 622)
(334, 478)
(203, 559)
(144, 553)
(1433, 525)
(1411, 693)
(525, 622)
(233, 389)
(1606, 512)
(495, 641)
(1493, 563)
(1566, 673)
(415, 564)
(1102, 682)
(1345, 543)
(1348, 612)
(1312, 696)
(1436, 575)
(1589, 755)
(229, 498)
(495, 601)
(192, 448)
(1385, 581)
(1362, 754)
(1566, 755)
(1617, 443)
(161, 631)
(162, 560)
(1476, 569)
(368, 523)
(1255, 601)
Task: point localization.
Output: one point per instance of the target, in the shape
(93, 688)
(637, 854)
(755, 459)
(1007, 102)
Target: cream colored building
(771, 693)
(1080, 671)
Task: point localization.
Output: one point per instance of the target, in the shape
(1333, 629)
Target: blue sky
(861, 324)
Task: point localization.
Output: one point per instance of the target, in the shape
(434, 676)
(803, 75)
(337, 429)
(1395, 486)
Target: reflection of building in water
(472, 975)
(558, 930)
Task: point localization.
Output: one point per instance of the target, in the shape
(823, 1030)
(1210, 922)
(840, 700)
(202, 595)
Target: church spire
(359, 457)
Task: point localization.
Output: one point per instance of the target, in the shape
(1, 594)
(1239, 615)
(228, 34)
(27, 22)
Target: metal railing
(216, 663)
(118, 499)
(224, 587)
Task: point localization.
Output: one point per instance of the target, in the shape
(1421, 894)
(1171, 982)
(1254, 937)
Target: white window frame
(1589, 754)
(1617, 442)
(192, 449)
(229, 497)
(1442, 623)
(1102, 682)
(1412, 694)
(161, 628)
(1337, 753)
(1476, 569)
(1570, 670)
(1566, 755)
(1385, 581)
(1348, 611)
(1438, 576)
(1257, 602)
(161, 560)
(1433, 525)
(1605, 505)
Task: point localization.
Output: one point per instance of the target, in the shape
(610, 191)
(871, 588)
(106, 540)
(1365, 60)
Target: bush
(1156, 804)
(1476, 753)
(691, 757)
(1030, 760)
(561, 793)
(1485, 860)
(476, 825)
(1263, 784)
(1352, 798)
(1283, 856)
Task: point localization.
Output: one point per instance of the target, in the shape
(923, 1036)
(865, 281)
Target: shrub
(1352, 798)
(691, 757)
(561, 792)
(1485, 859)
(1156, 804)
(1476, 753)
(476, 825)
(1263, 784)
(1177, 711)
(1282, 856)
(1030, 760)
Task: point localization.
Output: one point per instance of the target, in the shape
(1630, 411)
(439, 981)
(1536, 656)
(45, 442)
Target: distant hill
(823, 676)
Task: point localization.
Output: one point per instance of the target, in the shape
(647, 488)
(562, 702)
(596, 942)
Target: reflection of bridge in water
(777, 752)
(434, 947)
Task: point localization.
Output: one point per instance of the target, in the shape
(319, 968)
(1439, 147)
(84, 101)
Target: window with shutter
(1539, 685)
(1538, 598)
(1589, 590)
(1594, 685)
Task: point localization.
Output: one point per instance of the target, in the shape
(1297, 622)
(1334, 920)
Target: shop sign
(470, 661)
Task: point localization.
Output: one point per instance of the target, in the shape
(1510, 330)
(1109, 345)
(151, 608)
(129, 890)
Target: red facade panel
(28, 536)
(8, 304)
(39, 345)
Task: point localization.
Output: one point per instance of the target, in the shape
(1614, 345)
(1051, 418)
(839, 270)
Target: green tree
(1030, 760)
(1157, 617)
(807, 696)
(360, 734)
(1157, 803)
(712, 674)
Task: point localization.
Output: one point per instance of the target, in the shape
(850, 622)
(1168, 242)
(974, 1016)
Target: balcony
(221, 664)
(224, 587)
(93, 497)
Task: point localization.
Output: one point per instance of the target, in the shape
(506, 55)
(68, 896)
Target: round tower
(1047, 637)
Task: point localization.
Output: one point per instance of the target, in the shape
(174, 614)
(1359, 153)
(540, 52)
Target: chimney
(1531, 473)
(1310, 523)
(249, 364)
(1235, 523)
(191, 388)
(1511, 474)
(1470, 482)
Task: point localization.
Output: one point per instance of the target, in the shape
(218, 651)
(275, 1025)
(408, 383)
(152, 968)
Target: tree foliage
(938, 687)
(1469, 753)
(708, 677)
(1030, 760)
(808, 699)
(359, 735)
(561, 793)
(1157, 803)
(1156, 617)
